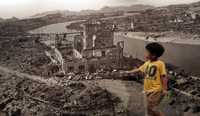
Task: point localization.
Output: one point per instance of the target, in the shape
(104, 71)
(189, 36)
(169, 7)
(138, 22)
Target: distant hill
(88, 12)
(127, 8)
(64, 13)
(1, 19)
(12, 19)
(190, 8)
(195, 7)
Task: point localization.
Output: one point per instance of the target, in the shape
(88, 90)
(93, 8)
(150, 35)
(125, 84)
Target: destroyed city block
(58, 65)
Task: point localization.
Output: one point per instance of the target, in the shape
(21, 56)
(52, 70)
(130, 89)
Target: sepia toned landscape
(70, 63)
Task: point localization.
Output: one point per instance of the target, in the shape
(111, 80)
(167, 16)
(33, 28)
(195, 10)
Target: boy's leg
(153, 100)
(145, 104)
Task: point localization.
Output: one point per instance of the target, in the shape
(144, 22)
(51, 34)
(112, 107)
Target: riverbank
(55, 28)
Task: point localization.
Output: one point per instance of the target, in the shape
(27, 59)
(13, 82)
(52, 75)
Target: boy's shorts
(152, 100)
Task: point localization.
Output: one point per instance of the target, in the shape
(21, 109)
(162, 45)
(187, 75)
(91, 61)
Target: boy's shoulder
(159, 63)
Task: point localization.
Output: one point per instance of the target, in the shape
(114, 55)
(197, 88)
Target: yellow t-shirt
(153, 73)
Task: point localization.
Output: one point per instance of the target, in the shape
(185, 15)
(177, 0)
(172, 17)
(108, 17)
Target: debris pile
(185, 92)
(24, 54)
(20, 96)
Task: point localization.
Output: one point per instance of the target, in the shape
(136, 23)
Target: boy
(155, 82)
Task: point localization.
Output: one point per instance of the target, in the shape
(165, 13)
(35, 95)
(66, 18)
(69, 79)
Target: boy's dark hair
(155, 49)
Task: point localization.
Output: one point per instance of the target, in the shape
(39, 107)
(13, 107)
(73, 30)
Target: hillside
(1, 19)
(88, 12)
(126, 8)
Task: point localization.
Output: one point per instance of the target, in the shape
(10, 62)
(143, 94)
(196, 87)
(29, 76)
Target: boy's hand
(127, 72)
(124, 73)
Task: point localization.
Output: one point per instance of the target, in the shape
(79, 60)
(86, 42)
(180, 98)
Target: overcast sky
(24, 8)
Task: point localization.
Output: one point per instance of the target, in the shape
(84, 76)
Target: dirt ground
(27, 95)
(130, 92)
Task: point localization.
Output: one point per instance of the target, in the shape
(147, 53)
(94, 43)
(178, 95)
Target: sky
(25, 8)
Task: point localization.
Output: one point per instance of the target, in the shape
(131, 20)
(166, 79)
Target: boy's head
(154, 51)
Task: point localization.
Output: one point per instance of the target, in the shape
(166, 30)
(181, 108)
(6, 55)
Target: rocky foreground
(26, 95)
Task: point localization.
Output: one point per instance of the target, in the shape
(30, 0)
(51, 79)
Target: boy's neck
(153, 60)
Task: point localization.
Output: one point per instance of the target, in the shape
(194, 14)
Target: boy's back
(153, 73)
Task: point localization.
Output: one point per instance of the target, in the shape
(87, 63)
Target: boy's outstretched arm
(133, 71)
(140, 69)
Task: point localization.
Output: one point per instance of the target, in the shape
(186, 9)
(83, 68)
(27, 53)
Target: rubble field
(21, 96)
(24, 54)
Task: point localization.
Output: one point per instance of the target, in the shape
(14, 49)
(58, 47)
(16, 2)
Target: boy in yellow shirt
(155, 82)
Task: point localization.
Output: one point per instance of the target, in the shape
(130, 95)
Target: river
(55, 28)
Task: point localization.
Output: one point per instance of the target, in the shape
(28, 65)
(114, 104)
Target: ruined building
(98, 38)
(96, 48)
(69, 44)
(98, 34)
